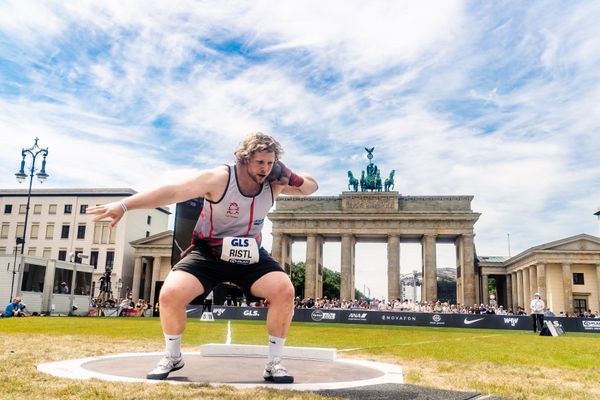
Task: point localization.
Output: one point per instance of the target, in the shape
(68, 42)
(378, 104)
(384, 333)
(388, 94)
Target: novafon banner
(511, 322)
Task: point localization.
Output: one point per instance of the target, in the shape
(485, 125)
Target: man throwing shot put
(227, 244)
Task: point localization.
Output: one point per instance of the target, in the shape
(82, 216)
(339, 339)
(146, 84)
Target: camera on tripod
(105, 279)
(106, 295)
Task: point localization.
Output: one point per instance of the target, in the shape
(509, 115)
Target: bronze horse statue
(389, 182)
(371, 180)
(352, 182)
(363, 182)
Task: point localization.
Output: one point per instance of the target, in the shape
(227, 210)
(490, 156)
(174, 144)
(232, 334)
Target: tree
(298, 277)
(492, 286)
(331, 281)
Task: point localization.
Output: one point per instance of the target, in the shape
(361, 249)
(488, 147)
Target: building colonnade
(281, 251)
(523, 283)
(384, 217)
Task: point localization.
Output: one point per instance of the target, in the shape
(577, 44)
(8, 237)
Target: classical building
(378, 217)
(565, 272)
(152, 265)
(58, 228)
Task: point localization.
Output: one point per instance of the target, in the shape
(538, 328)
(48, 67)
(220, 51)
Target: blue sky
(493, 99)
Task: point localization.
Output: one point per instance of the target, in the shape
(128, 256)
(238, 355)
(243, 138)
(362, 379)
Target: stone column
(310, 278)
(353, 274)
(509, 291)
(468, 269)
(527, 297)
(541, 282)
(347, 268)
(484, 289)
(567, 287)
(137, 277)
(286, 254)
(460, 297)
(477, 282)
(155, 276)
(598, 283)
(147, 281)
(319, 258)
(429, 288)
(533, 280)
(513, 297)
(519, 289)
(393, 272)
(276, 247)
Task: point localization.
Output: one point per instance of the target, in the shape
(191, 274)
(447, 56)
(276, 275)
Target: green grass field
(513, 364)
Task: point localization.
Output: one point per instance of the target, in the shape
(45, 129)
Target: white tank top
(234, 214)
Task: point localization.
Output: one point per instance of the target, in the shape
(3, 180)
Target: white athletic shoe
(165, 366)
(275, 372)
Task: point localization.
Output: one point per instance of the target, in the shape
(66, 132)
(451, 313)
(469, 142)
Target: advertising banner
(357, 316)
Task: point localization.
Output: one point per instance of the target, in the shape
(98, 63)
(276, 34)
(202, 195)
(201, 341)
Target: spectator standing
(537, 312)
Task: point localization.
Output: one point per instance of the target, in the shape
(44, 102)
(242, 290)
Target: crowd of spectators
(124, 306)
(424, 307)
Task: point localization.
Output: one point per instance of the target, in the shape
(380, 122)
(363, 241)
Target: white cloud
(459, 98)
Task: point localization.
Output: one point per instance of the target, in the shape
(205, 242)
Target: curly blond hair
(256, 142)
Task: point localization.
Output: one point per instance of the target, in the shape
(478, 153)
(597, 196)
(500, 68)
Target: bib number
(238, 250)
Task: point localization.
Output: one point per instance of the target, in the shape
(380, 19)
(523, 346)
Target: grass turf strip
(514, 364)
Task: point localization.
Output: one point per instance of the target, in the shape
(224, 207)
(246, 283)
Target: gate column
(393, 273)
(429, 288)
(347, 268)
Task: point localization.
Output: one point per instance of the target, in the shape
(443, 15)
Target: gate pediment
(575, 243)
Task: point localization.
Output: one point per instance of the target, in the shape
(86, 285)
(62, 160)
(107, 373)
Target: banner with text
(513, 322)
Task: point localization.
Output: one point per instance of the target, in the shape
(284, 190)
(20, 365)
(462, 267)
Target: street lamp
(14, 268)
(33, 151)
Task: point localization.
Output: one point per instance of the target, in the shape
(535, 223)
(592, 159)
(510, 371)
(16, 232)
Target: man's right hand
(114, 211)
(282, 175)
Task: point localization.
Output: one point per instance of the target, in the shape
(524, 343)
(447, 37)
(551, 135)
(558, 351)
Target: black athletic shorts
(211, 271)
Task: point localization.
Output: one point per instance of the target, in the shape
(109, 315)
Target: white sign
(240, 250)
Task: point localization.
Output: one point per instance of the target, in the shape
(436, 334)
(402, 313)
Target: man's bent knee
(283, 292)
(169, 297)
(173, 297)
(179, 289)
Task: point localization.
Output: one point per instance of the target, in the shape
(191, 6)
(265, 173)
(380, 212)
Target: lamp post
(33, 151)
(14, 269)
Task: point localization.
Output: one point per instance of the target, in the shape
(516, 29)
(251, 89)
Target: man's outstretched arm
(201, 185)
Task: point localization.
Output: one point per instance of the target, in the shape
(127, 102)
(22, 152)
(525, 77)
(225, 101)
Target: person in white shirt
(537, 312)
(382, 306)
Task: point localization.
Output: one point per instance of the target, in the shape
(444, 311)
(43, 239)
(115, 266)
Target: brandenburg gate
(377, 217)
